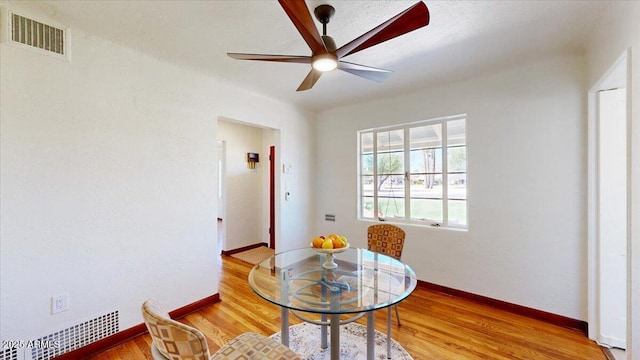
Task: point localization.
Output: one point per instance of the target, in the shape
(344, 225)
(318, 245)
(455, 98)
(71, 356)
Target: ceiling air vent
(36, 34)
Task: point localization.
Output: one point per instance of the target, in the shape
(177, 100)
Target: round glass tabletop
(352, 281)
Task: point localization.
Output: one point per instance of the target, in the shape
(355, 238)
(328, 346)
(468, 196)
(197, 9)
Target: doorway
(608, 216)
(248, 201)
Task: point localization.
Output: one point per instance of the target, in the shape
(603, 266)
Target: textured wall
(109, 182)
(526, 185)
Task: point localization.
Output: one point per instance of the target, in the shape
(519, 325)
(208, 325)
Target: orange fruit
(317, 242)
(338, 243)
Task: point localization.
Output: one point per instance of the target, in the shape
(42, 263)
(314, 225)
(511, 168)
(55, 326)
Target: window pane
(391, 207)
(367, 186)
(423, 137)
(426, 161)
(457, 159)
(426, 186)
(456, 130)
(458, 186)
(426, 210)
(390, 140)
(367, 207)
(457, 212)
(366, 143)
(366, 162)
(391, 163)
(391, 186)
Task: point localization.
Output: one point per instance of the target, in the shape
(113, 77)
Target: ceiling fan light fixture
(325, 62)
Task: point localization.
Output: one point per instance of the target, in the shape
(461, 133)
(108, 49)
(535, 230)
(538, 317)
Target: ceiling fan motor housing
(329, 44)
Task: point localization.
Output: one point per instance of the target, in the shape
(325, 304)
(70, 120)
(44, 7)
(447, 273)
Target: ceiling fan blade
(310, 80)
(411, 19)
(301, 17)
(276, 58)
(367, 72)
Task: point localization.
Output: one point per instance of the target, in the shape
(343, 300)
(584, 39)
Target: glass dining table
(331, 288)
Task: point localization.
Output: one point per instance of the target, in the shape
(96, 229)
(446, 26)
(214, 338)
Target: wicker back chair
(386, 239)
(176, 341)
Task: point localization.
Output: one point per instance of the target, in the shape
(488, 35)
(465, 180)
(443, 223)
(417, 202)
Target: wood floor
(434, 326)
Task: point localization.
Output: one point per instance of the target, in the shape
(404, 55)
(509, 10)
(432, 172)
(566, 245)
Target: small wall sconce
(252, 159)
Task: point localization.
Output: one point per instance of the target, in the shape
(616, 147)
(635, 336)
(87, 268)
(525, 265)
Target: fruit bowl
(330, 251)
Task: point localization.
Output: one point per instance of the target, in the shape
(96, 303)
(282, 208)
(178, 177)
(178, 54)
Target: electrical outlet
(59, 303)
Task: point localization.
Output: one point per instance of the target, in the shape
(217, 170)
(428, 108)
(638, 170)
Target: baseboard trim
(244, 248)
(137, 330)
(195, 306)
(547, 317)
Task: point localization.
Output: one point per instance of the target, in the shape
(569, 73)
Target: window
(415, 173)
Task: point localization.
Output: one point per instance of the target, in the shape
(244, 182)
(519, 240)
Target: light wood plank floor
(434, 326)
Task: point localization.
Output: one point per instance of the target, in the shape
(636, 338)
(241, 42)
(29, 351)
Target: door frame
(272, 197)
(620, 71)
(221, 209)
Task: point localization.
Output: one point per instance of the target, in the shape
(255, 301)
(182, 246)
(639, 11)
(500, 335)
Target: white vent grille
(36, 34)
(75, 337)
(9, 354)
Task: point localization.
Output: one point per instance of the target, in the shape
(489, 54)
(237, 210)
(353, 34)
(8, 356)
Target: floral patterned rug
(304, 339)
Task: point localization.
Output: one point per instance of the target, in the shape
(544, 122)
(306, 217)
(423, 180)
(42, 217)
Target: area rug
(254, 255)
(304, 339)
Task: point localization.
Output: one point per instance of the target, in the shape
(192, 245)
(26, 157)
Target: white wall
(244, 190)
(619, 30)
(526, 184)
(108, 182)
(295, 222)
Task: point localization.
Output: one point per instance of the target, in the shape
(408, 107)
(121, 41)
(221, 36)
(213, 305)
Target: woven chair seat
(254, 346)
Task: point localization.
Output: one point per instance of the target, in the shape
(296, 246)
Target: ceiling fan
(325, 56)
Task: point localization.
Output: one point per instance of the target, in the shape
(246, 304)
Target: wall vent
(9, 354)
(75, 337)
(36, 34)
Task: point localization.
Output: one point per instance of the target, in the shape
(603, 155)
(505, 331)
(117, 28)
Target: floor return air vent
(9, 354)
(63, 341)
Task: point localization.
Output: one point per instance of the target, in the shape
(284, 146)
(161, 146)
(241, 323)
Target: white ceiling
(463, 39)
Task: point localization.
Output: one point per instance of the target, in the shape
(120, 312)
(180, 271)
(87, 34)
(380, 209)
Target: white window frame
(407, 192)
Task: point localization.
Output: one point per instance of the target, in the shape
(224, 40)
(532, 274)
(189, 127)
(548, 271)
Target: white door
(612, 219)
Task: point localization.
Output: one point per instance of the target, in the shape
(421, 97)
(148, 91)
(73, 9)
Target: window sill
(414, 224)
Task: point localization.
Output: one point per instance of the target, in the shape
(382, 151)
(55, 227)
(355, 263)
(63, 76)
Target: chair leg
(397, 314)
(389, 333)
